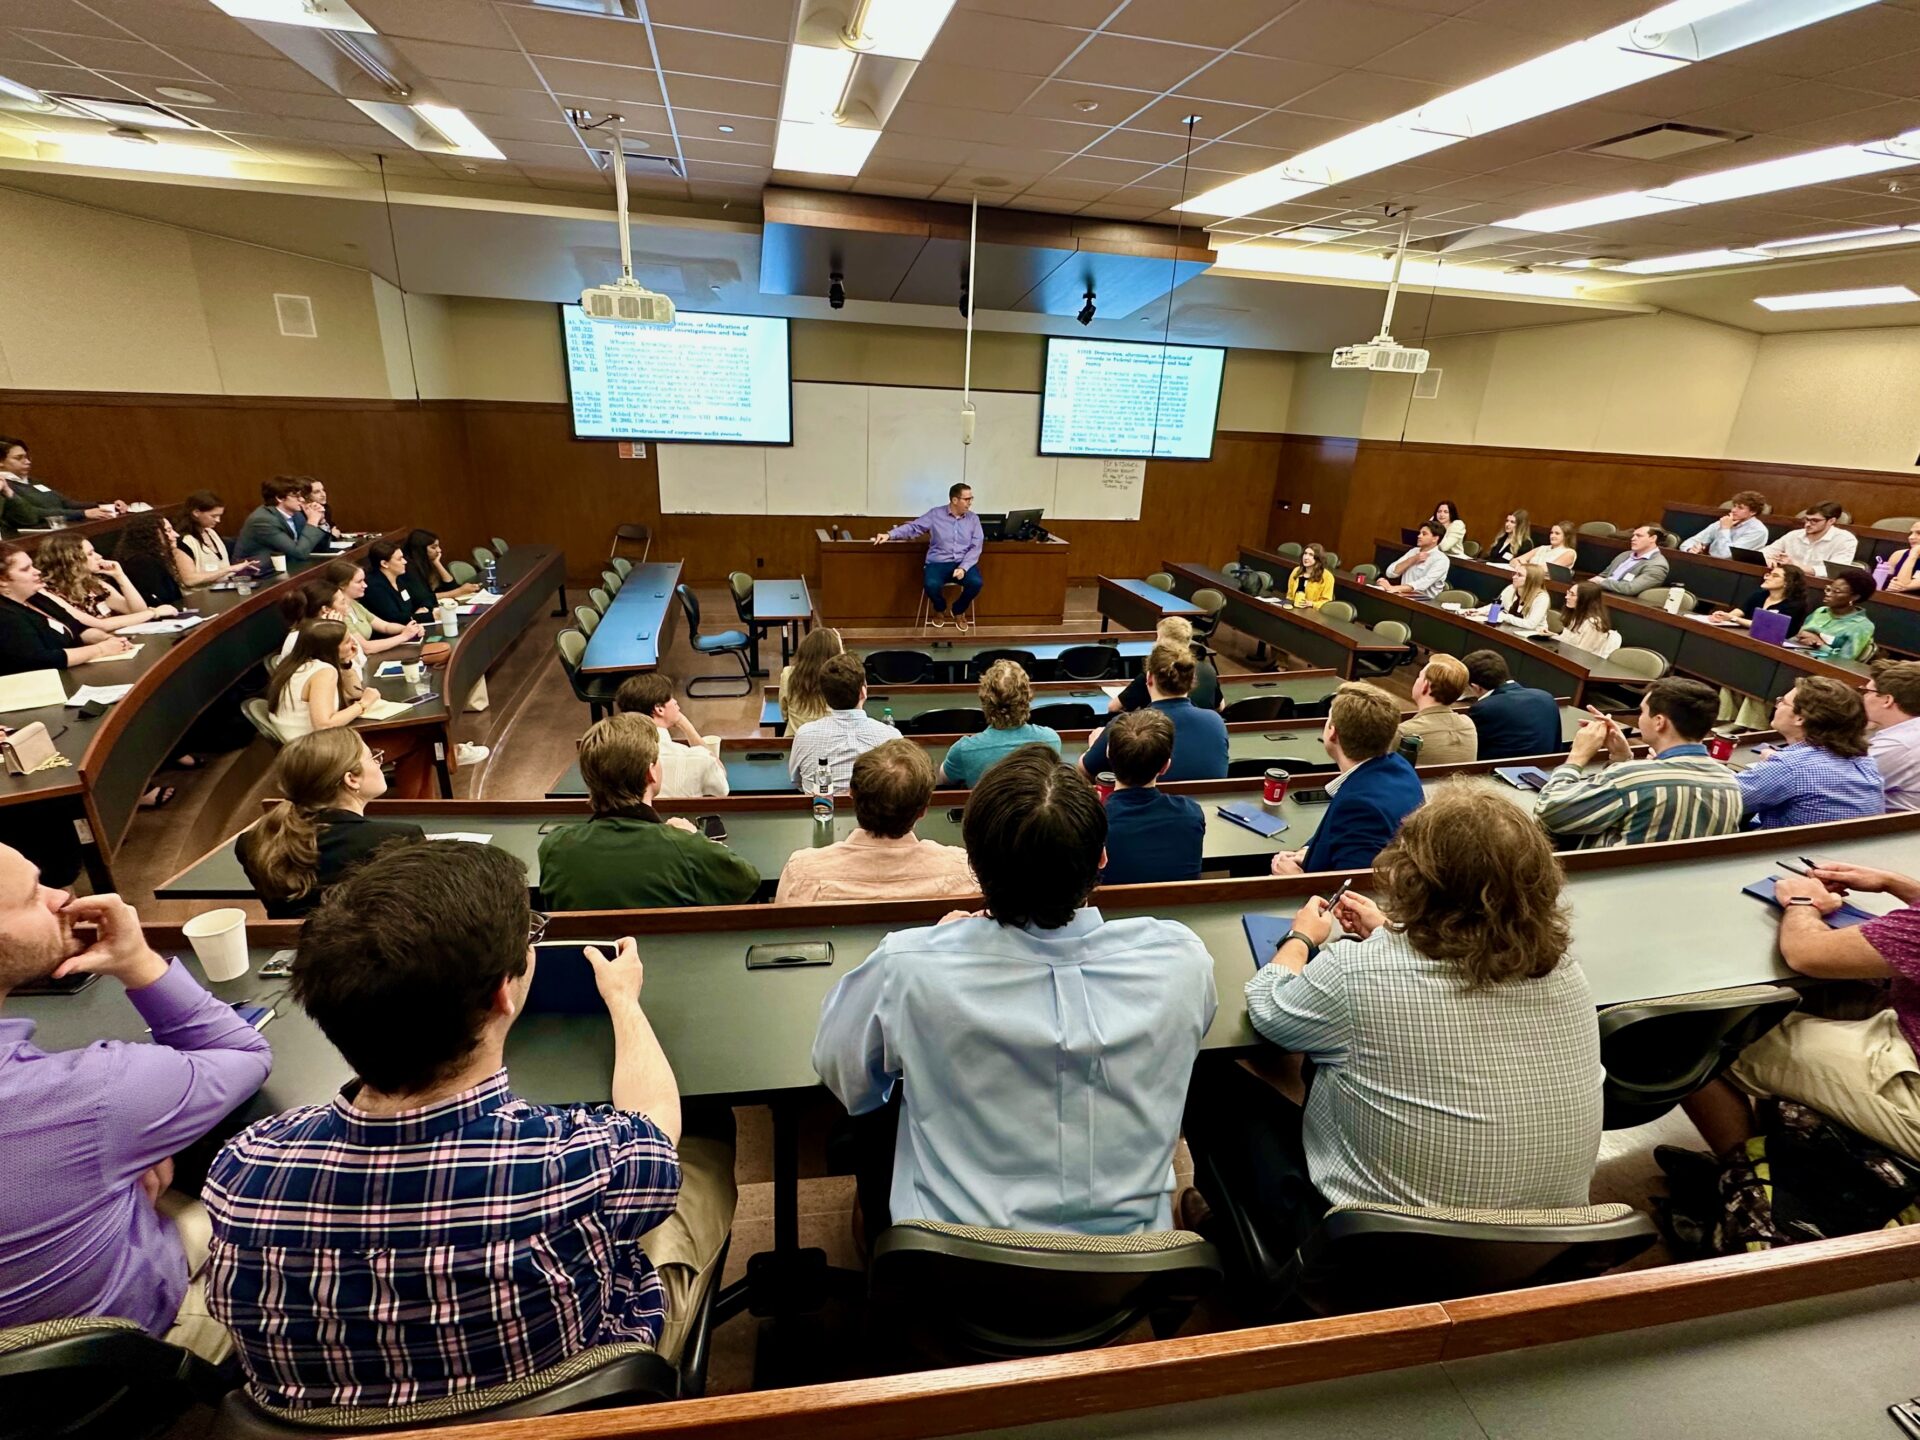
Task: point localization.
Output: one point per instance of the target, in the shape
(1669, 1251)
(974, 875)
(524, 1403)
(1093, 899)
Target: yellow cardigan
(1315, 592)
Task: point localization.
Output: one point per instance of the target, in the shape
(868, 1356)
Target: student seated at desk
(1511, 718)
(1841, 629)
(428, 570)
(883, 859)
(147, 551)
(203, 557)
(1524, 601)
(37, 632)
(1825, 772)
(319, 686)
(344, 583)
(1469, 942)
(1310, 585)
(92, 587)
(1782, 588)
(1558, 548)
(1374, 792)
(1199, 736)
(1446, 735)
(1006, 698)
(320, 829)
(1042, 1049)
(843, 734)
(689, 768)
(1819, 545)
(1679, 792)
(1422, 571)
(1151, 835)
(1513, 542)
(626, 857)
(1903, 573)
(427, 1231)
(800, 699)
(1453, 530)
(1892, 701)
(1741, 528)
(1862, 1073)
(1586, 625)
(1641, 568)
(33, 502)
(392, 593)
(88, 1134)
(1177, 630)
(283, 524)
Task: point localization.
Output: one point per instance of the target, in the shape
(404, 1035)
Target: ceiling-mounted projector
(628, 302)
(1383, 352)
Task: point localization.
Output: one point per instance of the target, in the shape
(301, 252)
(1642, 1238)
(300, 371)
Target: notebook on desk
(1260, 821)
(1846, 916)
(1264, 934)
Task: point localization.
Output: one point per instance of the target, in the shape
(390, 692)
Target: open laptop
(1770, 626)
(1748, 557)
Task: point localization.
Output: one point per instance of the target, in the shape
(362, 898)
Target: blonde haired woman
(1525, 601)
(800, 697)
(318, 687)
(1006, 697)
(1174, 630)
(319, 831)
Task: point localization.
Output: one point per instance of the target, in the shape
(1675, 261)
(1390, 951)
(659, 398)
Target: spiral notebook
(1846, 917)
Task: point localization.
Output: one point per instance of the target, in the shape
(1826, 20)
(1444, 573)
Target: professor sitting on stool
(953, 553)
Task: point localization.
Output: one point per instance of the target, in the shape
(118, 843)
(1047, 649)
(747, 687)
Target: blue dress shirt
(1807, 784)
(1750, 534)
(1199, 743)
(951, 539)
(1045, 1070)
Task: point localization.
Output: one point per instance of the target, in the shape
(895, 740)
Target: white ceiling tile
(604, 38)
(764, 19)
(1059, 100)
(1150, 146)
(249, 72)
(1352, 95)
(1895, 117)
(1836, 44)
(726, 151)
(1140, 64)
(1259, 80)
(179, 30)
(474, 64)
(478, 100)
(732, 57)
(1081, 14)
(1785, 103)
(1563, 22)
(621, 83)
(1218, 118)
(68, 16)
(96, 52)
(703, 124)
(1218, 24)
(1114, 172)
(898, 189)
(937, 83)
(1338, 32)
(1897, 75)
(729, 97)
(1000, 42)
(296, 105)
(1278, 135)
(45, 74)
(460, 22)
(1458, 52)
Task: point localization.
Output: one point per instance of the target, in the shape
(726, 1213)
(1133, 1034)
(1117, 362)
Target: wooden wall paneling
(1315, 471)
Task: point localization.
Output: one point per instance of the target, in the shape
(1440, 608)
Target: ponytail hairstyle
(318, 640)
(309, 773)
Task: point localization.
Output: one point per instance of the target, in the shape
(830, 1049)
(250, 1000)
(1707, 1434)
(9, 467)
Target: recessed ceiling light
(435, 129)
(1839, 299)
(724, 129)
(1358, 222)
(27, 94)
(314, 14)
(1600, 210)
(1307, 234)
(1086, 107)
(105, 153)
(185, 96)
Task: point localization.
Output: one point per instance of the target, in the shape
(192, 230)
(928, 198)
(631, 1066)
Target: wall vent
(295, 314)
(1426, 385)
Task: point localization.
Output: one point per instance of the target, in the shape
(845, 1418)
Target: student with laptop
(1783, 589)
(1740, 528)
(1819, 544)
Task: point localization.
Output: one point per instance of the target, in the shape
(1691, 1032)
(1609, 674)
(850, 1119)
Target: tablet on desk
(563, 981)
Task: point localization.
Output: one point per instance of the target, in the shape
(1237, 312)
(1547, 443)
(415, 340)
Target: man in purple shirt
(87, 1136)
(954, 543)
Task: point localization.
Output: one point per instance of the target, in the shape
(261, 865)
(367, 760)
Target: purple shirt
(1896, 939)
(77, 1130)
(955, 539)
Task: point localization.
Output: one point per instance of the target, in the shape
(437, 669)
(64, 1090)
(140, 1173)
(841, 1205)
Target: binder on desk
(1264, 934)
(1846, 917)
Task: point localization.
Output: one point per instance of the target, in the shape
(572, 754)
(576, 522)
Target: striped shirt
(1681, 794)
(1427, 1092)
(379, 1260)
(1806, 784)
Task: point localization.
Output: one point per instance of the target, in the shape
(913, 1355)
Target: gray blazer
(266, 533)
(1648, 573)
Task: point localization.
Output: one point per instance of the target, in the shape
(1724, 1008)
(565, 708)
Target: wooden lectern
(863, 584)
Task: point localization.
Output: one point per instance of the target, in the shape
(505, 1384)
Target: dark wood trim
(1054, 687)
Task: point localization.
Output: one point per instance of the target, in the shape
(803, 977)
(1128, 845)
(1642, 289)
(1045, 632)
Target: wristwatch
(1800, 900)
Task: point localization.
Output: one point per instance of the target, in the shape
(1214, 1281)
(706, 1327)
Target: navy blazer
(1515, 720)
(1364, 814)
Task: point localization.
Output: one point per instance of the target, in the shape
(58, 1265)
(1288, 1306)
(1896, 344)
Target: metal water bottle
(822, 802)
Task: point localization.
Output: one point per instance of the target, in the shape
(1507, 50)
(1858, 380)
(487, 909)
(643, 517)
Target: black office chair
(1244, 768)
(980, 663)
(1258, 707)
(1313, 709)
(956, 1294)
(1658, 1052)
(92, 1378)
(1066, 715)
(899, 667)
(596, 692)
(955, 721)
(1393, 632)
(1088, 662)
(727, 642)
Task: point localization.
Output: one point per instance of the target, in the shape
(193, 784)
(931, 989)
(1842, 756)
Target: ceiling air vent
(1663, 142)
(295, 314)
(1426, 385)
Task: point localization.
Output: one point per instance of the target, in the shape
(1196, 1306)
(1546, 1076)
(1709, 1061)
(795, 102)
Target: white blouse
(1454, 538)
(292, 717)
(1536, 614)
(209, 554)
(1596, 640)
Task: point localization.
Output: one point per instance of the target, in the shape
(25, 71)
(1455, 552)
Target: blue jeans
(938, 574)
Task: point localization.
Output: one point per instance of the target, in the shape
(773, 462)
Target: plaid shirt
(1806, 784)
(380, 1260)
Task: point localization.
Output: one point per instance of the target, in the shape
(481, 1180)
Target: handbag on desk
(27, 749)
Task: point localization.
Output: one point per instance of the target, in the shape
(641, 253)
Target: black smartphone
(1316, 796)
(714, 827)
(68, 985)
(956, 813)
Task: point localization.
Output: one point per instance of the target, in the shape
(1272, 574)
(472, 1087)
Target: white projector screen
(718, 378)
(1115, 397)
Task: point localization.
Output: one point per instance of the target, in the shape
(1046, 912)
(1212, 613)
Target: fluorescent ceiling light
(1311, 234)
(1845, 240)
(1339, 263)
(105, 153)
(904, 29)
(816, 79)
(22, 92)
(126, 112)
(1703, 29)
(460, 132)
(1693, 260)
(825, 149)
(1599, 211)
(315, 14)
(1839, 299)
(1841, 162)
(1546, 83)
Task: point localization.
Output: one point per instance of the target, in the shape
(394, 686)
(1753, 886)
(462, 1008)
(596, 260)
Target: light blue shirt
(1045, 1070)
(1426, 573)
(1750, 534)
(971, 756)
(841, 737)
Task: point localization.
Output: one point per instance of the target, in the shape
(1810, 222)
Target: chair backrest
(741, 583)
(1660, 594)
(1658, 1052)
(1293, 549)
(1895, 522)
(1258, 707)
(1209, 600)
(1066, 715)
(1379, 1257)
(641, 535)
(462, 572)
(600, 599)
(1160, 580)
(956, 720)
(1596, 527)
(1649, 664)
(899, 667)
(256, 712)
(1465, 599)
(980, 663)
(690, 607)
(572, 645)
(622, 566)
(959, 1293)
(1392, 631)
(1088, 662)
(588, 617)
(1557, 619)
(1470, 548)
(1332, 557)
(1257, 582)
(499, 546)
(1366, 572)
(90, 1378)
(611, 580)
(482, 556)
(1337, 610)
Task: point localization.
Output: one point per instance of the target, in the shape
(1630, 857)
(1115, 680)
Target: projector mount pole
(620, 199)
(966, 382)
(1393, 285)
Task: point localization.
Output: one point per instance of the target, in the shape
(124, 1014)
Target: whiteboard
(893, 451)
(824, 471)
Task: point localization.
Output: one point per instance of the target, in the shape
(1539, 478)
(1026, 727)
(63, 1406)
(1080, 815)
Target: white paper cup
(413, 670)
(220, 940)
(280, 564)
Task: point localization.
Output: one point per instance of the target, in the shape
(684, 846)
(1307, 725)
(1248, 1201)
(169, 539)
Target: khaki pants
(194, 1328)
(1859, 1072)
(685, 1247)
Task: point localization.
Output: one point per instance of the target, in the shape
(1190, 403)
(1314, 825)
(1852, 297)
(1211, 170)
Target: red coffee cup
(1720, 747)
(1273, 787)
(1105, 783)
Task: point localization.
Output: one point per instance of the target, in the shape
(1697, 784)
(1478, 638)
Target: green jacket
(631, 861)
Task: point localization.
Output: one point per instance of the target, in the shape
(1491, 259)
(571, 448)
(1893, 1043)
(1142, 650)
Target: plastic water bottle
(1493, 613)
(1674, 598)
(822, 802)
(1882, 571)
(886, 712)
